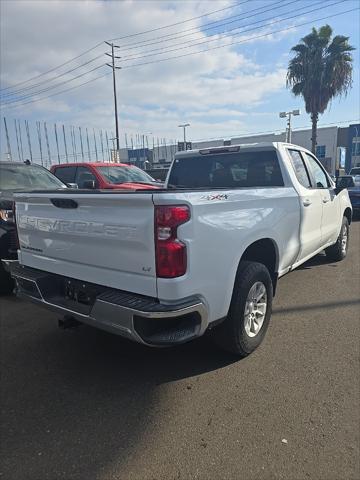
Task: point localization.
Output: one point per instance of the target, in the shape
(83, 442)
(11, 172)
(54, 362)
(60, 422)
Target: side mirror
(89, 184)
(72, 185)
(343, 182)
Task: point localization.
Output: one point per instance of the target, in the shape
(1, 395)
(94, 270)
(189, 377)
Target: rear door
(310, 206)
(106, 239)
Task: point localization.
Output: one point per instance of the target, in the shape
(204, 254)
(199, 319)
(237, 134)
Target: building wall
(342, 137)
(327, 137)
(328, 141)
(353, 153)
(208, 144)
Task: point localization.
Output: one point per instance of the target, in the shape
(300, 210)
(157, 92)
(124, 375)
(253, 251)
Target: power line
(194, 53)
(8, 95)
(180, 23)
(239, 42)
(31, 94)
(58, 93)
(205, 27)
(15, 92)
(206, 41)
(53, 69)
(53, 86)
(124, 36)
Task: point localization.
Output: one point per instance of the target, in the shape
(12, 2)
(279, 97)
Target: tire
(6, 282)
(234, 334)
(338, 251)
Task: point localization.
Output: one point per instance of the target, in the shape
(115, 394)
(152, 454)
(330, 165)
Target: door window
(83, 175)
(299, 168)
(66, 174)
(320, 177)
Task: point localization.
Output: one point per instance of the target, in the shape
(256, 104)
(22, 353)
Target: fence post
(88, 144)
(57, 143)
(38, 128)
(28, 137)
(96, 154)
(7, 140)
(47, 143)
(17, 140)
(81, 144)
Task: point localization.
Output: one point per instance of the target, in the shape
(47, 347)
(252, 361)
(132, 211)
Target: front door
(330, 222)
(311, 207)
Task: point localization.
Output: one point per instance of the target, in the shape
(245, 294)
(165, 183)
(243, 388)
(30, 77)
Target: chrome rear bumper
(8, 264)
(139, 318)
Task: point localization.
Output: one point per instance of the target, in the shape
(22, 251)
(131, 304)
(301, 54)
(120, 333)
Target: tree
(320, 70)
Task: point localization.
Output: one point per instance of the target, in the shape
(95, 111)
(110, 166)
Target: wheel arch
(348, 214)
(265, 251)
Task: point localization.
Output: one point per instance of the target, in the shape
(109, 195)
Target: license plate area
(79, 292)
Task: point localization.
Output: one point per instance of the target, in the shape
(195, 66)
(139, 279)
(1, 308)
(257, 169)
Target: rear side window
(66, 174)
(299, 168)
(231, 170)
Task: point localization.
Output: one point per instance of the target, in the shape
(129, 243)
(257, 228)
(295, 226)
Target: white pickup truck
(203, 253)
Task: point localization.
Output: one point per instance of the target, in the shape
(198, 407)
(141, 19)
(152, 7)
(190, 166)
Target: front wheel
(250, 310)
(338, 251)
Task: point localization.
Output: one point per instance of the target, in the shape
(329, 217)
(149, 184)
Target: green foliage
(321, 68)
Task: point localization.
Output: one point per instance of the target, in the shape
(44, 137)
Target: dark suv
(16, 177)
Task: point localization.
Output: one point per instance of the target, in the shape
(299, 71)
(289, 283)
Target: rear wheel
(338, 251)
(250, 310)
(6, 282)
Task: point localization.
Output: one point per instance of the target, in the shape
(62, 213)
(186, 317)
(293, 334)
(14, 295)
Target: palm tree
(320, 70)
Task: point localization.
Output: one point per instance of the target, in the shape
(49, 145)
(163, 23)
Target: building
(338, 148)
(326, 151)
(353, 147)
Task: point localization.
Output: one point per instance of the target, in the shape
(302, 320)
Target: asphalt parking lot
(87, 405)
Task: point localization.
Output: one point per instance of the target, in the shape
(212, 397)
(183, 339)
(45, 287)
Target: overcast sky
(223, 92)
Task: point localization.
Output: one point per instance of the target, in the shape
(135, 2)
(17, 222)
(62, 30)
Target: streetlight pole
(288, 115)
(112, 65)
(183, 126)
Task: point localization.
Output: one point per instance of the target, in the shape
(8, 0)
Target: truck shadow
(320, 259)
(75, 402)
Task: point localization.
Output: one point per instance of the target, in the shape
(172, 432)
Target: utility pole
(114, 68)
(183, 126)
(288, 115)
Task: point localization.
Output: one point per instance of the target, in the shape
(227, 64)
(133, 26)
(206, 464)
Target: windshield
(355, 171)
(118, 175)
(27, 177)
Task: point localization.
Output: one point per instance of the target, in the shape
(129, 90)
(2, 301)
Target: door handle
(306, 202)
(325, 200)
(64, 202)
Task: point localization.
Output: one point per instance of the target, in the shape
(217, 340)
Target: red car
(104, 176)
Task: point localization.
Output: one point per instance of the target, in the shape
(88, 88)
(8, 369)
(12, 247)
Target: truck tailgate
(103, 238)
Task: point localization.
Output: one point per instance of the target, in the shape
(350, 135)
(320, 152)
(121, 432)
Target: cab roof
(233, 148)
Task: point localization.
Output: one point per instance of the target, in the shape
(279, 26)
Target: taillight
(171, 259)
